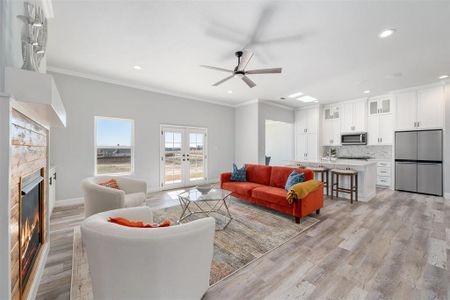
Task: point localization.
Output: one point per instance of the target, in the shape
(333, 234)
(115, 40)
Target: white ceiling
(329, 50)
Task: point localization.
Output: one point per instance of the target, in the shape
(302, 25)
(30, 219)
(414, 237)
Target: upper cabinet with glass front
(380, 105)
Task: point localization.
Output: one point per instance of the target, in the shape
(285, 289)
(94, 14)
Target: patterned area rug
(253, 232)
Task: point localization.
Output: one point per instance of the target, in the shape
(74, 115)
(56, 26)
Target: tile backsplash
(379, 152)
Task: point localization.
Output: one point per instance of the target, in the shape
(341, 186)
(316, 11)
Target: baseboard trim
(67, 202)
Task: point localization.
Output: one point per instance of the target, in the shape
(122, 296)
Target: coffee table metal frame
(205, 206)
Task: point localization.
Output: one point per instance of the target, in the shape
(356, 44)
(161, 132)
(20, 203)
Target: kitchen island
(367, 174)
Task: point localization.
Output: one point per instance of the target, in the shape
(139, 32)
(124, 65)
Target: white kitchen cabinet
(406, 110)
(307, 120)
(420, 109)
(430, 108)
(384, 176)
(353, 116)
(380, 105)
(380, 129)
(331, 125)
(307, 133)
(331, 133)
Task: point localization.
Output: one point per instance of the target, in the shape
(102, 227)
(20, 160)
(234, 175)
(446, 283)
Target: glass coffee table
(194, 202)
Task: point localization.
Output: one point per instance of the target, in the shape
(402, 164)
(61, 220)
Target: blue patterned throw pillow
(238, 174)
(293, 179)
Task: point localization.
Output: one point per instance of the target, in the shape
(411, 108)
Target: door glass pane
(386, 106)
(196, 156)
(373, 107)
(172, 149)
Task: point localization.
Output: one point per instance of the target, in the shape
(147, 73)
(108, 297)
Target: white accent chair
(148, 263)
(99, 198)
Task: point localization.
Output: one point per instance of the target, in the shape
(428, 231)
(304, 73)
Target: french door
(183, 156)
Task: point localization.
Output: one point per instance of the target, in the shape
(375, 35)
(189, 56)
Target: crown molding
(245, 103)
(267, 102)
(63, 71)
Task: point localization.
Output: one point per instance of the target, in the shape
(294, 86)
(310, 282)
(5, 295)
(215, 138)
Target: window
(114, 143)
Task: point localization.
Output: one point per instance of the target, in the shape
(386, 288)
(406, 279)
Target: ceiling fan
(244, 58)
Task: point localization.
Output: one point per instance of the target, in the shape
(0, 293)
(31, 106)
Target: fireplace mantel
(36, 95)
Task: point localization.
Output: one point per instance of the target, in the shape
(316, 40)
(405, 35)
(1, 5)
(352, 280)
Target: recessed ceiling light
(443, 76)
(386, 33)
(307, 99)
(295, 95)
(137, 67)
(230, 92)
(366, 92)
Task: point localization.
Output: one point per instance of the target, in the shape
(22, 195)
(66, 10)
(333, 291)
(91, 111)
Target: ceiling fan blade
(216, 68)
(245, 59)
(264, 71)
(223, 80)
(248, 81)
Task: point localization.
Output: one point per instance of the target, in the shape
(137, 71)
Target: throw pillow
(238, 174)
(112, 183)
(137, 224)
(293, 179)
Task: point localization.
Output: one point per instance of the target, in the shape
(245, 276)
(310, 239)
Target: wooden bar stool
(353, 176)
(323, 175)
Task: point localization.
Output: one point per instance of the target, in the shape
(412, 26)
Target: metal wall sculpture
(34, 37)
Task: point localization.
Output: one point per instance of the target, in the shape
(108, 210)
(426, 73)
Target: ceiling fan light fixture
(307, 99)
(295, 95)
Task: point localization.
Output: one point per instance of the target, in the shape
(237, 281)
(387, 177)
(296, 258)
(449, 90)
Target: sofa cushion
(238, 174)
(112, 183)
(137, 224)
(279, 175)
(241, 188)
(293, 179)
(134, 199)
(271, 194)
(258, 174)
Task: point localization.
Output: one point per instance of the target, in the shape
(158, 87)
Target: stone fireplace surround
(29, 153)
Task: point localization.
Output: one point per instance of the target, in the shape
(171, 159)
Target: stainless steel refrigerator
(418, 161)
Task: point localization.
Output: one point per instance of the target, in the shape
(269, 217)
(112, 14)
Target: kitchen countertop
(341, 162)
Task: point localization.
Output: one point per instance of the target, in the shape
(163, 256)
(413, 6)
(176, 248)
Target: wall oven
(354, 139)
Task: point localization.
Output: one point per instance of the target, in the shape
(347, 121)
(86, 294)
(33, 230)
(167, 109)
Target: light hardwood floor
(397, 246)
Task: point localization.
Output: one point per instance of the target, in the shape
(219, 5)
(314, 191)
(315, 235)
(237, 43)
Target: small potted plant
(333, 153)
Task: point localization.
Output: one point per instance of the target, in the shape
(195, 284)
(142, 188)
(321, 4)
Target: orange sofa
(265, 187)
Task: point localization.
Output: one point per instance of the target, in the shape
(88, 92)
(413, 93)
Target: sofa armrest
(225, 177)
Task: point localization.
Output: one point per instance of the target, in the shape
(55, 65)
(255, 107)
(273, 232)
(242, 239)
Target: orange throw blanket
(301, 190)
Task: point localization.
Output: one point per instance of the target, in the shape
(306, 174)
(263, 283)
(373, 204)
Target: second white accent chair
(148, 263)
(99, 198)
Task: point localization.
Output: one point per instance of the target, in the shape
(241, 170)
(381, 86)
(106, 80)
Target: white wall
(72, 148)
(246, 134)
(268, 111)
(279, 142)
(447, 143)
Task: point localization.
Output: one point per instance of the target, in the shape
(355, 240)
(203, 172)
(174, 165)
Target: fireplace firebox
(30, 224)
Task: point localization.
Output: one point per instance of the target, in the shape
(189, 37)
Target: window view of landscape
(175, 153)
(172, 157)
(114, 142)
(196, 156)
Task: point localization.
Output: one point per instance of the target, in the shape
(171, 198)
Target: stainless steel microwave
(354, 139)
